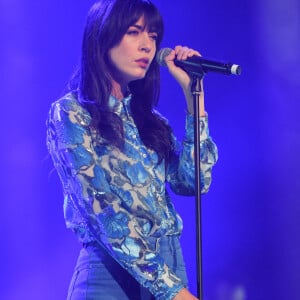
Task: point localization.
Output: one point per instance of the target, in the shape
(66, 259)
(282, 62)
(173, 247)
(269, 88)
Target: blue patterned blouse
(118, 197)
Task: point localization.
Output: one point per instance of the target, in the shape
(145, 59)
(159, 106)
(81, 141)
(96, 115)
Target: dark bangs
(153, 19)
(128, 12)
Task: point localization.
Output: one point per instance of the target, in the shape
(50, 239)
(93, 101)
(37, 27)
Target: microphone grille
(161, 54)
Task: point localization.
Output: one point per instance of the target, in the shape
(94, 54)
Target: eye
(153, 36)
(133, 31)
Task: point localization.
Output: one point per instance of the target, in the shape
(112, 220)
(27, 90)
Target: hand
(184, 294)
(182, 77)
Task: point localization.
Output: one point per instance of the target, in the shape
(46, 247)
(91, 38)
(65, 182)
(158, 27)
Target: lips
(142, 62)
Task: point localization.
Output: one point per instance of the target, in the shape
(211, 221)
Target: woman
(114, 154)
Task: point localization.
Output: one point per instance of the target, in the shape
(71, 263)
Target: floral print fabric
(119, 197)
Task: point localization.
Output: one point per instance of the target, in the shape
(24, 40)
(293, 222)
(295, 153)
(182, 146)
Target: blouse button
(144, 155)
(134, 136)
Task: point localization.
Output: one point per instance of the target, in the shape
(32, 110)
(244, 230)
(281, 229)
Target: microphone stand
(196, 91)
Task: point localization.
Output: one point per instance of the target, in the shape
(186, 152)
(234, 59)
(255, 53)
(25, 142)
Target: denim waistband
(165, 241)
(92, 254)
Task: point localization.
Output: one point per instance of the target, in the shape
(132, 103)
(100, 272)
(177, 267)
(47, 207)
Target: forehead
(143, 24)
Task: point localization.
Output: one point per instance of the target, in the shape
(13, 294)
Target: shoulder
(68, 105)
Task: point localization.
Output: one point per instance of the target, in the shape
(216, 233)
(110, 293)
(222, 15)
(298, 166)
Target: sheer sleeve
(181, 169)
(107, 216)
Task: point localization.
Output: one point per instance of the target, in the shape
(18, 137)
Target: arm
(181, 169)
(180, 172)
(108, 217)
(184, 294)
(183, 78)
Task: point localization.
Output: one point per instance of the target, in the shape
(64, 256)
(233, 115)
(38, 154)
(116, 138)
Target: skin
(131, 59)
(133, 56)
(184, 80)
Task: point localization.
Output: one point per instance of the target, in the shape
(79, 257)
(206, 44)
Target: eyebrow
(137, 26)
(142, 28)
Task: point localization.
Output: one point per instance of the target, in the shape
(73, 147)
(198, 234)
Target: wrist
(190, 103)
(184, 294)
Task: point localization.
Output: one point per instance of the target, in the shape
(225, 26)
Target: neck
(119, 90)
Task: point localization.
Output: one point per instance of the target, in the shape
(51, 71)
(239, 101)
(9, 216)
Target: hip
(98, 276)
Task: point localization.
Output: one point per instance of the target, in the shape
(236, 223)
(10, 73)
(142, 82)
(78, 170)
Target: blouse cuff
(189, 127)
(162, 290)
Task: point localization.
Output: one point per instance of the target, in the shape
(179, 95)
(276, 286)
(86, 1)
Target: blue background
(251, 214)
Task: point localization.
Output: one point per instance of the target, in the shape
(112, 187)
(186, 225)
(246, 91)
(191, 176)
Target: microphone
(197, 65)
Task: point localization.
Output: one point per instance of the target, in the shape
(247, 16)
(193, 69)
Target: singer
(114, 154)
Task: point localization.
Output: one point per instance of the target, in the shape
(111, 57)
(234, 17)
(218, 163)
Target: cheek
(110, 55)
(114, 57)
(154, 51)
(153, 56)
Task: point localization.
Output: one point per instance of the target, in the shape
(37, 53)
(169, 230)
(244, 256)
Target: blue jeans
(97, 276)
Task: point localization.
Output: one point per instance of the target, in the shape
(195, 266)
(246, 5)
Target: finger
(170, 57)
(194, 52)
(182, 53)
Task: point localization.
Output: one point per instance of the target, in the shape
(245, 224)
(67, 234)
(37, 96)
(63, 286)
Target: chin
(138, 76)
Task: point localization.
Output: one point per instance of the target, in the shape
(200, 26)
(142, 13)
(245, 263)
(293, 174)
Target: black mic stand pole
(196, 91)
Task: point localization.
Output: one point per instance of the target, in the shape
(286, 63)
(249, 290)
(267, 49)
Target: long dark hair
(107, 22)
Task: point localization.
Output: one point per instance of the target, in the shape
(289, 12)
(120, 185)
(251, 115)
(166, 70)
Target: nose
(146, 43)
(145, 49)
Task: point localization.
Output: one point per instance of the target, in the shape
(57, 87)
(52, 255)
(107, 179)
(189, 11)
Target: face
(132, 57)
